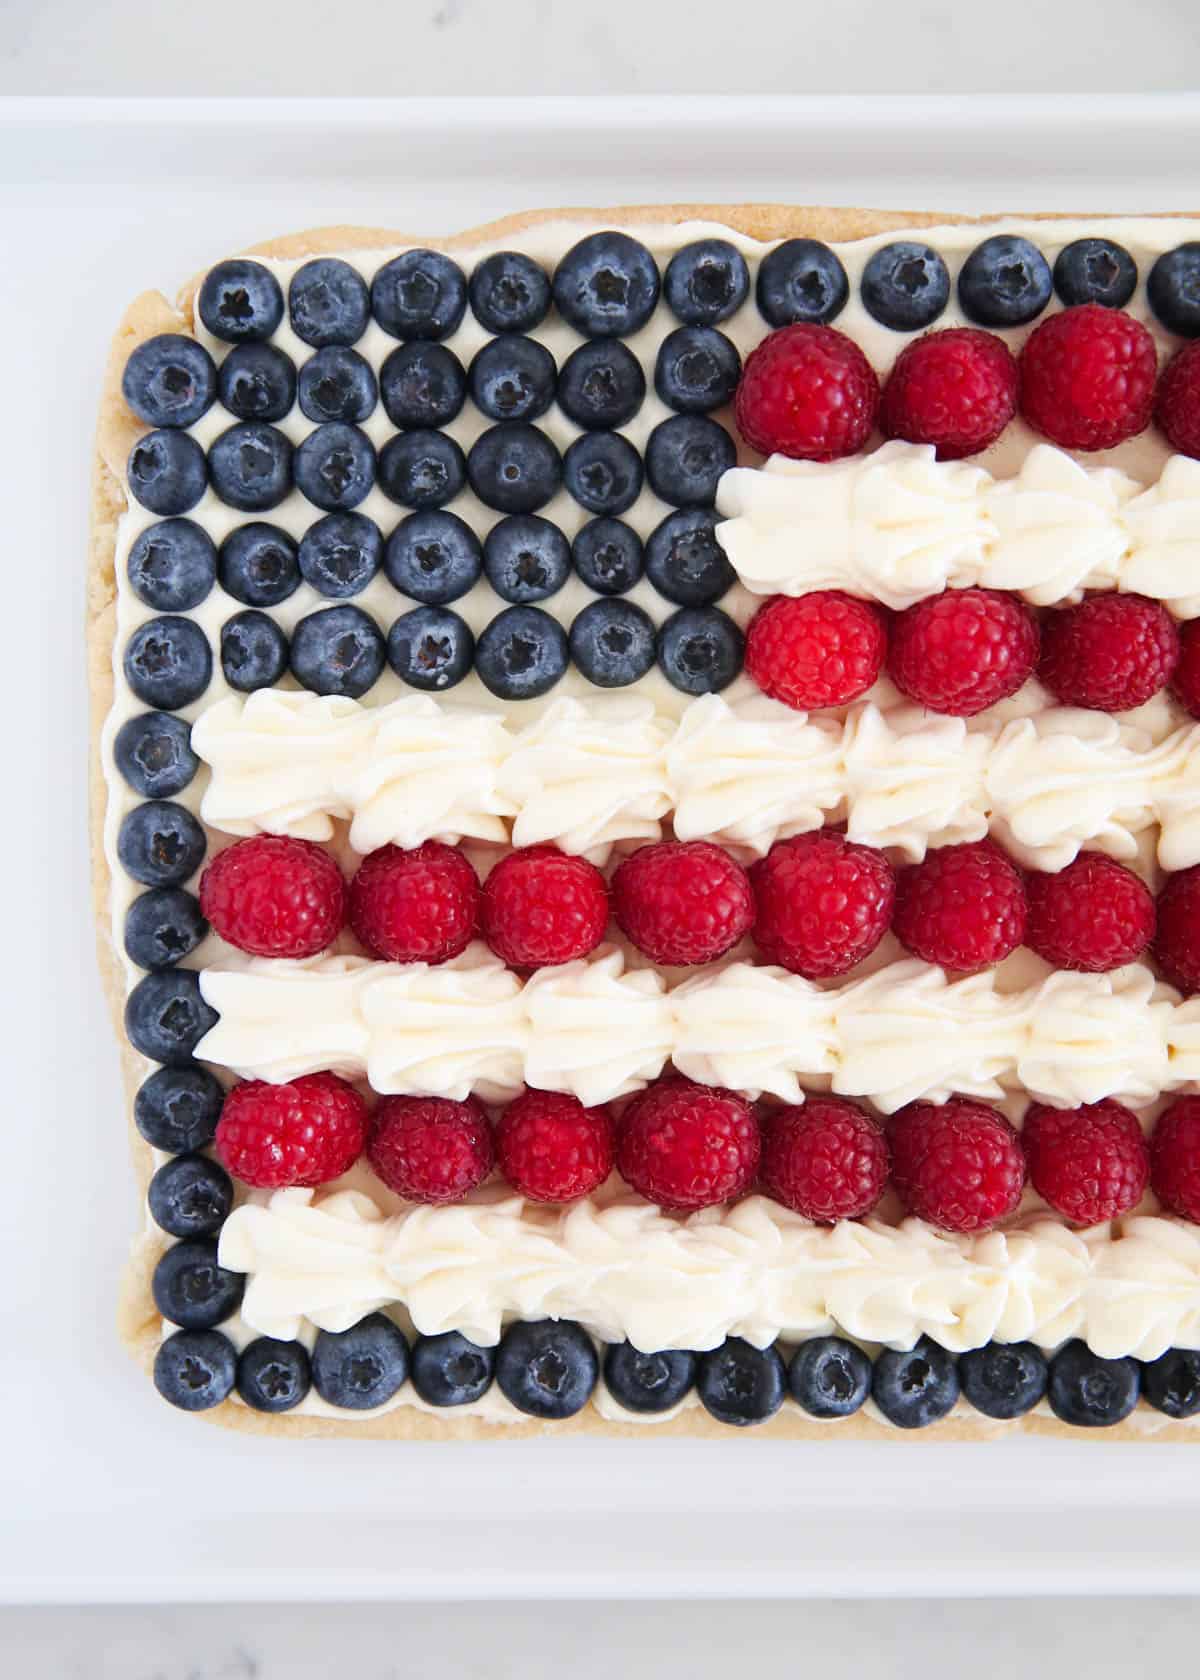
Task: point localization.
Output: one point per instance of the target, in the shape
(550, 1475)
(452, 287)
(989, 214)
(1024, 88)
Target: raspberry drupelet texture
(956, 1164)
(1177, 402)
(553, 1149)
(430, 1149)
(963, 650)
(688, 1146)
(415, 906)
(1087, 377)
(1185, 684)
(823, 903)
(1177, 934)
(272, 896)
(540, 907)
(963, 907)
(682, 902)
(826, 1159)
(1093, 916)
(808, 392)
(1109, 653)
(1175, 1158)
(821, 649)
(956, 389)
(305, 1132)
(1090, 1163)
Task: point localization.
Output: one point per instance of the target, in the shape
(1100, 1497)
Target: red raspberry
(274, 897)
(1090, 1163)
(1177, 404)
(1110, 652)
(956, 389)
(827, 1159)
(305, 1132)
(808, 392)
(418, 906)
(1185, 684)
(688, 1146)
(1093, 915)
(822, 649)
(1087, 377)
(551, 1148)
(823, 903)
(429, 1149)
(1175, 1158)
(682, 902)
(963, 650)
(540, 908)
(963, 907)
(1177, 938)
(956, 1164)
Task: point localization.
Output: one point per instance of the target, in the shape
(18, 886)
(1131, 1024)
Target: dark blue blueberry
(335, 466)
(1095, 271)
(421, 294)
(177, 1109)
(1003, 1379)
(337, 384)
(607, 285)
(251, 466)
(273, 1376)
(700, 650)
(190, 1196)
(340, 554)
(422, 385)
(1004, 282)
(449, 1370)
(684, 560)
(160, 844)
(422, 469)
(905, 285)
(522, 653)
(829, 1377)
(153, 752)
(167, 472)
(328, 303)
(172, 565)
(801, 280)
(917, 1388)
(648, 1382)
(168, 662)
(240, 300)
(360, 1367)
(547, 1368)
(169, 380)
(514, 468)
(257, 382)
(166, 1017)
(740, 1384)
(608, 556)
(195, 1369)
(1174, 289)
(512, 378)
(192, 1290)
(601, 385)
(613, 643)
(338, 650)
(510, 293)
(685, 458)
(254, 651)
(433, 557)
(162, 926)
(258, 565)
(1090, 1392)
(697, 369)
(603, 471)
(706, 282)
(1171, 1383)
(430, 648)
(526, 558)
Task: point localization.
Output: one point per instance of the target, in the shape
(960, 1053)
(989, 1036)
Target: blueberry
(430, 648)
(254, 651)
(740, 1384)
(160, 844)
(192, 1289)
(360, 1367)
(1173, 289)
(648, 1382)
(526, 558)
(829, 1377)
(177, 1109)
(522, 653)
(547, 1368)
(1090, 1392)
(338, 650)
(153, 752)
(340, 554)
(706, 282)
(1095, 271)
(512, 378)
(161, 926)
(273, 1376)
(510, 293)
(337, 384)
(422, 469)
(422, 385)
(449, 1370)
(421, 294)
(603, 471)
(607, 285)
(608, 556)
(190, 1196)
(514, 468)
(433, 557)
(166, 1017)
(905, 285)
(257, 382)
(1004, 282)
(168, 662)
(328, 303)
(240, 300)
(335, 466)
(172, 565)
(1171, 1383)
(167, 472)
(601, 385)
(684, 560)
(686, 457)
(697, 369)
(169, 380)
(613, 643)
(195, 1369)
(700, 650)
(801, 280)
(1003, 1379)
(251, 466)
(916, 1388)
(258, 565)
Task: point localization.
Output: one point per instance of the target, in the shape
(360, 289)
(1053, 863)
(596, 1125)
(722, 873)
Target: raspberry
(1093, 915)
(541, 907)
(963, 650)
(827, 1159)
(1185, 684)
(956, 1164)
(956, 389)
(1110, 652)
(305, 1132)
(1175, 1158)
(429, 1149)
(1177, 404)
(274, 897)
(822, 649)
(682, 902)
(823, 903)
(808, 392)
(551, 1148)
(688, 1146)
(1087, 377)
(418, 906)
(1090, 1163)
(963, 907)
(1177, 937)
